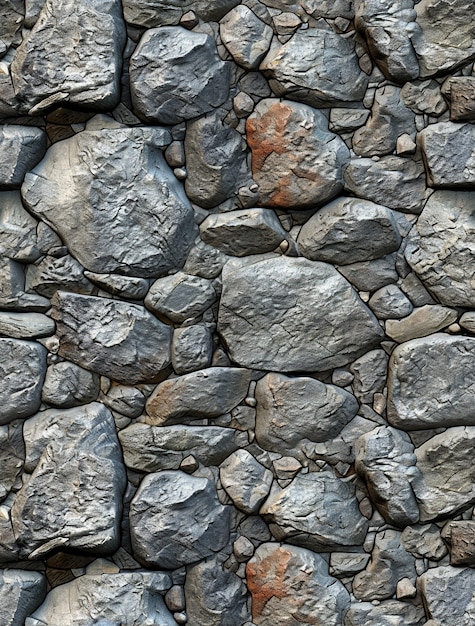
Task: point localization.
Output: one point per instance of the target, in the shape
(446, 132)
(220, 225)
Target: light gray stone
(245, 36)
(21, 592)
(343, 564)
(22, 369)
(421, 322)
(61, 505)
(431, 383)
(192, 348)
(322, 8)
(25, 325)
(51, 273)
(245, 480)
(85, 189)
(424, 541)
(204, 260)
(449, 595)
(124, 399)
(317, 511)
(207, 393)
(269, 319)
(12, 285)
(386, 613)
(150, 13)
(116, 339)
(369, 375)
(317, 66)
(12, 14)
(424, 97)
(78, 46)
(176, 74)
(389, 302)
(176, 519)
(12, 456)
(128, 287)
(18, 236)
(467, 321)
(67, 385)
(371, 275)
(22, 147)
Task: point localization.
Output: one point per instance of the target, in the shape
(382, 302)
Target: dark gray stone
(192, 348)
(18, 236)
(22, 147)
(21, 592)
(12, 456)
(389, 302)
(67, 385)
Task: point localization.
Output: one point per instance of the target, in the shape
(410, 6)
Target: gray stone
(415, 290)
(176, 519)
(371, 275)
(180, 297)
(21, 592)
(18, 237)
(85, 189)
(424, 97)
(12, 13)
(241, 233)
(431, 383)
(150, 13)
(22, 147)
(294, 411)
(386, 613)
(245, 36)
(61, 505)
(160, 71)
(151, 448)
(462, 98)
(51, 273)
(296, 161)
(245, 480)
(12, 456)
(12, 285)
(206, 393)
(467, 321)
(349, 230)
(215, 596)
(292, 586)
(390, 303)
(317, 511)
(126, 598)
(128, 287)
(269, 319)
(124, 399)
(449, 595)
(343, 564)
(370, 375)
(317, 66)
(25, 325)
(72, 55)
(204, 260)
(396, 182)
(460, 537)
(424, 541)
(116, 339)
(421, 322)
(67, 385)
(346, 120)
(322, 8)
(192, 349)
(22, 369)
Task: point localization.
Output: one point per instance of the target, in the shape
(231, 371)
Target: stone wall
(237, 313)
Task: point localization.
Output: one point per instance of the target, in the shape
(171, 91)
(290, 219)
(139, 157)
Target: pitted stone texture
(432, 383)
(440, 247)
(462, 98)
(18, 234)
(245, 36)
(22, 147)
(21, 592)
(349, 230)
(73, 498)
(291, 587)
(449, 595)
(117, 339)
(386, 613)
(245, 480)
(385, 458)
(317, 66)
(72, 55)
(291, 412)
(22, 369)
(317, 511)
(269, 319)
(126, 598)
(192, 348)
(12, 457)
(67, 385)
(160, 70)
(150, 13)
(113, 199)
(207, 393)
(296, 161)
(176, 519)
(151, 448)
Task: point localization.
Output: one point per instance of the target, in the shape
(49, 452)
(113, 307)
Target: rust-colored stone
(266, 579)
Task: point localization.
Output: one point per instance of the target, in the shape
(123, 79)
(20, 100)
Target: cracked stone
(245, 480)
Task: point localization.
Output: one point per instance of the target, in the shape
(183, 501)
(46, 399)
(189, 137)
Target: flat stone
(151, 13)
(317, 511)
(67, 385)
(23, 147)
(204, 260)
(317, 66)
(431, 383)
(21, 592)
(85, 188)
(389, 302)
(371, 275)
(424, 97)
(421, 322)
(51, 273)
(64, 448)
(269, 319)
(449, 595)
(424, 541)
(124, 399)
(176, 74)
(22, 369)
(245, 480)
(206, 393)
(176, 519)
(78, 46)
(460, 536)
(25, 325)
(344, 120)
(296, 160)
(343, 564)
(293, 585)
(245, 36)
(291, 412)
(18, 236)
(386, 613)
(349, 230)
(127, 287)
(117, 339)
(192, 348)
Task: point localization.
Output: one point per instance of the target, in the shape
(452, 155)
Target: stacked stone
(237, 313)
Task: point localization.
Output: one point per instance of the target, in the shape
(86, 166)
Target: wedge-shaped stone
(12, 457)
(21, 592)
(22, 147)
(18, 235)
(449, 595)
(245, 480)
(245, 36)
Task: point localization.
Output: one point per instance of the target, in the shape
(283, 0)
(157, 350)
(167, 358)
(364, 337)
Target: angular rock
(206, 393)
(386, 613)
(176, 519)
(245, 36)
(151, 448)
(296, 161)
(85, 189)
(245, 480)
(126, 598)
(371, 275)
(349, 230)
(324, 8)
(116, 339)
(12, 456)
(467, 321)
(192, 349)
(343, 564)
(424, 541)
(18, 236)
(421, 322)
(124, 399)
(462, 98)
(73, 55)
(127, 287)
(346, 120)
(12, 14)
(461, 539)
(269, 319)
(22, 369)
(151, 13)
(25, 325)
(204, 260)
(390, 303)
(369, 375)
(317, 511)
(73, 498)
(176, 74)
(294, 411)
(12, 285)
(317, 66)
(67, 385)
(21, 592)
(449, 595)
(50, 273)
(431, 383)
(424, 97)
(23, 147)
(292, 585)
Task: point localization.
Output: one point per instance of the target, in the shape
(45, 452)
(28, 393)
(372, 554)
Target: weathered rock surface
(245, 480)
(245, 36)
(421, 322)
(85, 189)
(18, 236)
(462, 98)
(25, 325)
(296, 161)
(192, 348)
(176, 519)
(286, 327)
(129, 287)
(124, 399)
(424, 541)
(150, 13)
(23, 147)
(386, 613)
(67, 385)
(21, 592)
(389, 302)
(12, 456)
(371, 275)
(51, 273)
(448, 594)
(460, 537)
(116, 339)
